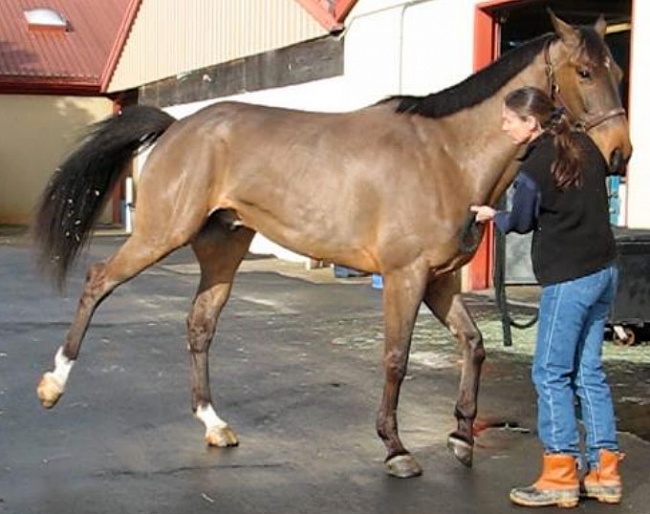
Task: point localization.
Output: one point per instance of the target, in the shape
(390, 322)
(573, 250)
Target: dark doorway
(528, 19)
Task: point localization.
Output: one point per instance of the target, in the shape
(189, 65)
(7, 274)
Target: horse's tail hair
(81, 186)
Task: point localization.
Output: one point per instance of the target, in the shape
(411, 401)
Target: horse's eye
(584, 73)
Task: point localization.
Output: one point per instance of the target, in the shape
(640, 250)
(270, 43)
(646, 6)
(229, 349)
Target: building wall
(200, 33)
(638, 177)
(35, 134)
(397, 47)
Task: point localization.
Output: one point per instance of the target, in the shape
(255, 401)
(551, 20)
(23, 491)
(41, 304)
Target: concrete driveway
(295, 370)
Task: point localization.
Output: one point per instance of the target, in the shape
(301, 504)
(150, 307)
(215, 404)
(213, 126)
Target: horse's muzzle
(618, 163)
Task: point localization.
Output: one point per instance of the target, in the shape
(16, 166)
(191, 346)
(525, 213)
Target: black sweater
(572, 236)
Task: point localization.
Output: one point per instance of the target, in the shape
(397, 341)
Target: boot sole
(602, 498)
(561, 503)
(604, 494)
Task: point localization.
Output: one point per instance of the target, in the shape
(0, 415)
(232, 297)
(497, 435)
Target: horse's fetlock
(464, 414)
(384, 426)
(196, 347)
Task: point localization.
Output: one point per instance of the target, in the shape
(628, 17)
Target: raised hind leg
(135, 255)
(219, 251)
(445, 302)
(403, 290)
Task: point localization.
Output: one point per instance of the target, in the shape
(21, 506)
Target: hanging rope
(469, 240)
(499, 280)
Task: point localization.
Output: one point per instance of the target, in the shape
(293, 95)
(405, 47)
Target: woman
(561, 196)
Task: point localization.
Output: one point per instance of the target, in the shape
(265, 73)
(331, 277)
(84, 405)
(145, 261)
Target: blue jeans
(568, 365)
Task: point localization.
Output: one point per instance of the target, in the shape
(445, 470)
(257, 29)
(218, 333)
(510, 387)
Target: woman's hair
(531, 101)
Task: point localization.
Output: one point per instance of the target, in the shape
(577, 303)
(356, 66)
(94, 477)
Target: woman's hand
(483, 212)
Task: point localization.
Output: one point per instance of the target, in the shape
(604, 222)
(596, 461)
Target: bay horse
(384, 189)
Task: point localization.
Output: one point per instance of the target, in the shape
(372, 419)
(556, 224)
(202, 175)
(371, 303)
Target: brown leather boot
(604, 482)
(557, 485)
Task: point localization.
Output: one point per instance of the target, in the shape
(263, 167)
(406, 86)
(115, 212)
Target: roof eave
(16, 86)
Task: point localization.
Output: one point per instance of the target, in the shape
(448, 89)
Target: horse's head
(585, 80)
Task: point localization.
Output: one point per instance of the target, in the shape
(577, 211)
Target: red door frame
(486, 50)
(486, 42)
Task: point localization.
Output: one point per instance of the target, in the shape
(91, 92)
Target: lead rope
(500, 296)
(469, 241)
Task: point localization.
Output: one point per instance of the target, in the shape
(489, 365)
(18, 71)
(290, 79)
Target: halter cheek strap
(585, 124)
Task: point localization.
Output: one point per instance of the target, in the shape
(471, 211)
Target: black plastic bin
(631, 309)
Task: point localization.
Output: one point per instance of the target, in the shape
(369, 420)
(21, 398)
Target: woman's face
(520, 130)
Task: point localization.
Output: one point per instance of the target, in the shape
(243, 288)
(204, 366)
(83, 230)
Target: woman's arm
(525, 208)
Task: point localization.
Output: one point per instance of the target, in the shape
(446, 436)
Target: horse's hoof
(49, 390)
(221, 437)
(463, 451)
(403, 466)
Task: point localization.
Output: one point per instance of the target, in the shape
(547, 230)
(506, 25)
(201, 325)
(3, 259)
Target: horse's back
(322, 184)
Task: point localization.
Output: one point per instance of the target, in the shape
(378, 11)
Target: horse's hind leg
(135, 255)
(445, 302)
(220, 252)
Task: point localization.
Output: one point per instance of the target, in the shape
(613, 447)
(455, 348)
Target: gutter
(41, 87)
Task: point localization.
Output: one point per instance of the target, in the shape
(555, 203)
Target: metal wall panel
(172, 37)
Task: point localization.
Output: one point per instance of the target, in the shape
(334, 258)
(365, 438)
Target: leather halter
(585, 124)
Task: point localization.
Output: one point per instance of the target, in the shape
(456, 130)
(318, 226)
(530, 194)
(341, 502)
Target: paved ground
(295, 371)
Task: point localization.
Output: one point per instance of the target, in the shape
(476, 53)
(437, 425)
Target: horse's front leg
(445, 302)
(403, 290)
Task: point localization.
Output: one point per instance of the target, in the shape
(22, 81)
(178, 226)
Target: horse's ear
(568, 34)
(601, 25)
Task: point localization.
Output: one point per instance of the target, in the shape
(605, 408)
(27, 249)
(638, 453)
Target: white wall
(416, 47)
(638, 178)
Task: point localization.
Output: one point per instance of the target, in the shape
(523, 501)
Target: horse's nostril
(617, 162)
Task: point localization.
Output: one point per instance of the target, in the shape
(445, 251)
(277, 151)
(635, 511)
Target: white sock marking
(209, 417)
(62, 367)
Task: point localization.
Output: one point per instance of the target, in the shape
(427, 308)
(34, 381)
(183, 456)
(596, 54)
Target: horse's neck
(489, 153)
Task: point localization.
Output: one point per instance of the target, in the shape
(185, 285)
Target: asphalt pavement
(295, 369)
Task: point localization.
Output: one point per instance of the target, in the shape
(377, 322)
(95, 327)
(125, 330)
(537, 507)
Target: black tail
(79, 189)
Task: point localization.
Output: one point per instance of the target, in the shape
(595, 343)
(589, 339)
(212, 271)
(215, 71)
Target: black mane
(474, 89)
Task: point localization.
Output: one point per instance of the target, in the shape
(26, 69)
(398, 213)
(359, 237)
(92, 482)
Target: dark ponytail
(531, 101)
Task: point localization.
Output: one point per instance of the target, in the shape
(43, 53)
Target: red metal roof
(81, 59)
(48, 60)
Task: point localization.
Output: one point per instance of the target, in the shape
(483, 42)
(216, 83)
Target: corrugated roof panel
(79, 54)
(201, 33)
